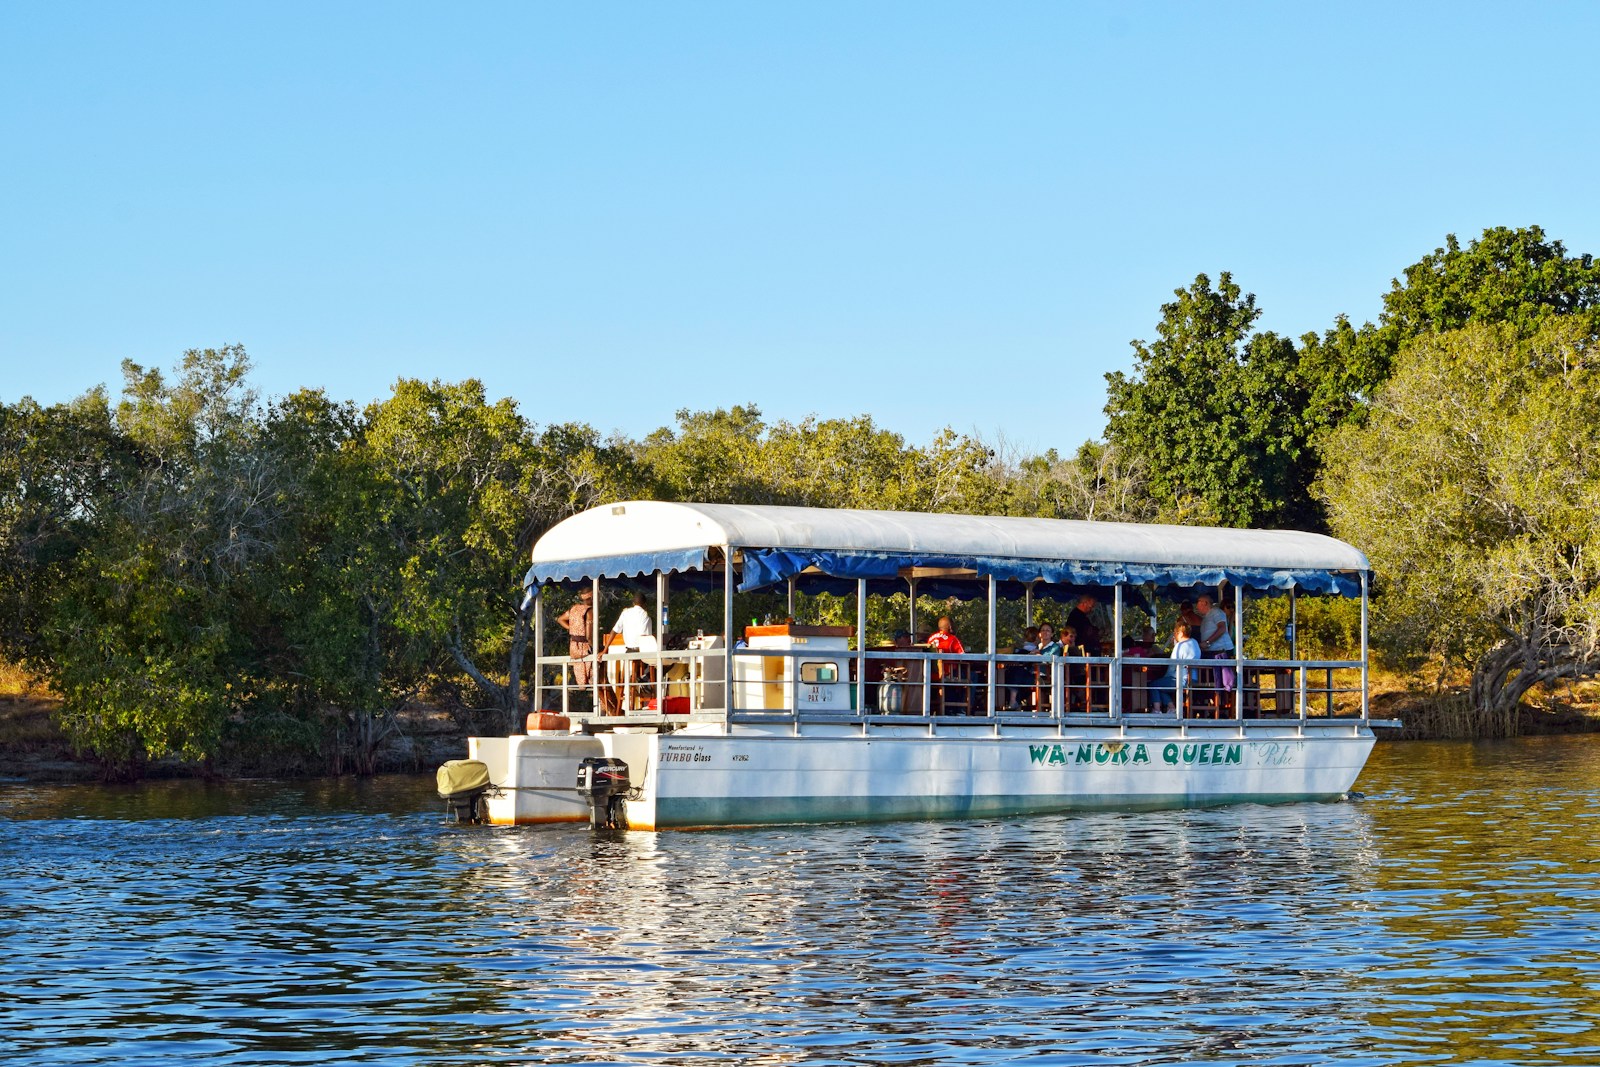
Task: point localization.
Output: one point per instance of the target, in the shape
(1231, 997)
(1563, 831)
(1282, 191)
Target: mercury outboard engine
(463, 784)
(603, 782)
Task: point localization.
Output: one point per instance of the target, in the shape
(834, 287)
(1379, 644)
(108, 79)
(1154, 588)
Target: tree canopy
(195, 571)
(1474, 488)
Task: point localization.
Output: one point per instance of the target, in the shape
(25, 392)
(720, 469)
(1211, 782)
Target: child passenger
(1162, 697)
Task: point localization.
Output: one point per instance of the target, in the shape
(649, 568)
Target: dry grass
(15, 682)
(1442, 712)
(25, 709)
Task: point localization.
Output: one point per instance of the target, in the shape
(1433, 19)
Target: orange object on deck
(539, 721)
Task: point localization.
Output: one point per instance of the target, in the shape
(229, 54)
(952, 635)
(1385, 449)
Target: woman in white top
(1184, 647)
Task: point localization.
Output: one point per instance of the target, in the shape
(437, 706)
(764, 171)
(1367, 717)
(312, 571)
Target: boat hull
(843, 774)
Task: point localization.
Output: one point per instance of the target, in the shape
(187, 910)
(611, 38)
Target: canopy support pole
(538, 651)
(912, 582)
(861, 646)
(994, 669)
(1114, 675)
(1027, 604)
(1238, 651)
(789, 608)
(1294, 620)
(727, 629)
(1365, 710)
(662, 615)
(595, 647)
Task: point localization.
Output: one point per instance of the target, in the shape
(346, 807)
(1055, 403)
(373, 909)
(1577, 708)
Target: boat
(771, 720)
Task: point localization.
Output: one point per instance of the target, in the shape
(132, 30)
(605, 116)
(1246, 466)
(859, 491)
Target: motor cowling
(463, 783)
(603, 782)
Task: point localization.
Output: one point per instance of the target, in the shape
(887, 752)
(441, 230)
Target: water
(1449, 917)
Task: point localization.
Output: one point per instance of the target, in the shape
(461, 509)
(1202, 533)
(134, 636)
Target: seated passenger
(1019, 676)
(1184, 647)
(1049, 646)
(1030, 642)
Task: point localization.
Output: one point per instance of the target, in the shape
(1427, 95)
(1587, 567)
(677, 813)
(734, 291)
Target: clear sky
(936, 213)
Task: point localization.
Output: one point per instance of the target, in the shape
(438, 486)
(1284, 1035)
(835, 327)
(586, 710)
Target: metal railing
(909, 685)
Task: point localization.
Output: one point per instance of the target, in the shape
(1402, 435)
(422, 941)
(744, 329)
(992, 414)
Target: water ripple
(1448, 917)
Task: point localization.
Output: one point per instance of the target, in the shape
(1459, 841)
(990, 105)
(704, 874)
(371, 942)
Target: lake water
(1451, 916)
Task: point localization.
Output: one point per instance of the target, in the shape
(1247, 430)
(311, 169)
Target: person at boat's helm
(633, 623)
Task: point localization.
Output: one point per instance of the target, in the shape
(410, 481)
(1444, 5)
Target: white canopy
(637, 530)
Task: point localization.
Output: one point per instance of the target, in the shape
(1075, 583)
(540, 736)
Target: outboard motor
(463, 784)
(603, 782)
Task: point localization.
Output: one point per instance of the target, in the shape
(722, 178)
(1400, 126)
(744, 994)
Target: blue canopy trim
(572, 570)
(839, 571)
(767, 566)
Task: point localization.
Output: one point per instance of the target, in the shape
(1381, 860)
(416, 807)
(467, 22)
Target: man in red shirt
(945, 640)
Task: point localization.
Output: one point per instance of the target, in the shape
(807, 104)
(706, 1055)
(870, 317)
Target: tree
(61, 470)
(1475, 491)
(1217, 413)
(143, 636)
(1511, 276)
(1099, 482)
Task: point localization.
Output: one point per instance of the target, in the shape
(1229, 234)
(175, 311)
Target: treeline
(196, 571)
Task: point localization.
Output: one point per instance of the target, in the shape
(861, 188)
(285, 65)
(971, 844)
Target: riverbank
(32, 747)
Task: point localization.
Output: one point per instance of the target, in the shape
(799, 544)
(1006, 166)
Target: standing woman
(578, 621)
(1216, 643)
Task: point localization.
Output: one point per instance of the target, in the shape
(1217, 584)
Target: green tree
(1475, 490)
(61, 470)
(1217, 413)
(144, 638)
(1517, 277)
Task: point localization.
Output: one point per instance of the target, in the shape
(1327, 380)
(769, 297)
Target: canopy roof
(775, 543)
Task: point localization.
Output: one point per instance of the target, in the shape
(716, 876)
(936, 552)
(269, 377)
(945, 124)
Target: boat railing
(680, 686)
(676, 685)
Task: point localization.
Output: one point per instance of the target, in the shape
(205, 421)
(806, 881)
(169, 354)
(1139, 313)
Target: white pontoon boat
(782, 722)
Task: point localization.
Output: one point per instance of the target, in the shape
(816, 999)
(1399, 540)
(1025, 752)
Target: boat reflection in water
(1076, 931)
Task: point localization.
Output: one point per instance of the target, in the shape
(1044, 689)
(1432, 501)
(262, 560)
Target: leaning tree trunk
(508, 697)
(1508, 671)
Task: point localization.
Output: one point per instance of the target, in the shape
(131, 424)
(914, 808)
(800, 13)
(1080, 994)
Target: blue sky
(938, 214)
